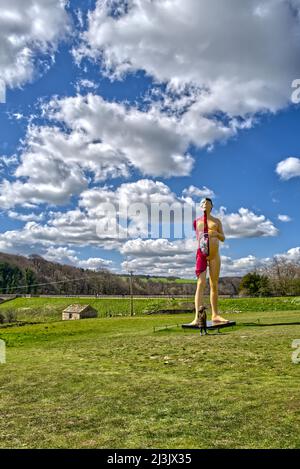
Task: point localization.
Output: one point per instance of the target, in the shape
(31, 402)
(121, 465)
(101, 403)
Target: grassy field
(115, 383)
(50, 309)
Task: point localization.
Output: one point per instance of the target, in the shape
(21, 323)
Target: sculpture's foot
(194, 323)
(218, 318)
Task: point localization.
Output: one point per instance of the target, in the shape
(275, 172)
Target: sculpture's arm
(221, 235)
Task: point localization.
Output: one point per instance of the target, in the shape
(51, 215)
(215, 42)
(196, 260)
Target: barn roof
(76, 308)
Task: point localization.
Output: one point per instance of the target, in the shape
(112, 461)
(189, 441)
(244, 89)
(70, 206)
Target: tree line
(36, 275)
(11, 277)
(281, 277)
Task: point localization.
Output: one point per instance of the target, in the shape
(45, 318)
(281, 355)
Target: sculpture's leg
(201, 282)
(214, 272)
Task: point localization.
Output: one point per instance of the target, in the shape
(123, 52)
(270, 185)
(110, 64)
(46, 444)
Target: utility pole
(131, 294)
(131, 285)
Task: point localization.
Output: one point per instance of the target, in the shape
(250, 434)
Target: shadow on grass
(19, 324)
(259, 324)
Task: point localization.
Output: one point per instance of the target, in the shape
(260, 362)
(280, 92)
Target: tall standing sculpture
(209, 232)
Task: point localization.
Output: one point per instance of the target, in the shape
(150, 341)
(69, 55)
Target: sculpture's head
(206, 204)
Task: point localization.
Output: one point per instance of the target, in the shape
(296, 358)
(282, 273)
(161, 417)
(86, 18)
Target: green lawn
(50, 309)
(115, 383)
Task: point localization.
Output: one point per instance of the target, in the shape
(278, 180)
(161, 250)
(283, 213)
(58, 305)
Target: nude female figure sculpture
(215, 234)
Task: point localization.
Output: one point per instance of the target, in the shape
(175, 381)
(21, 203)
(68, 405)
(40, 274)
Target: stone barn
(77, 311)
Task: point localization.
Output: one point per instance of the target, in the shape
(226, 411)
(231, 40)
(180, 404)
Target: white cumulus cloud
(193, 191)
(241, 56)
(288, 168)
(246, 224)
(29, 29)
(63, 255)
(284, 218)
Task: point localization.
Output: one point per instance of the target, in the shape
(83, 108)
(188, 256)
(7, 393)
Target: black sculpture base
(212, 325)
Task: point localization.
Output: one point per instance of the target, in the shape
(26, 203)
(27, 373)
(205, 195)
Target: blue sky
(164, 121)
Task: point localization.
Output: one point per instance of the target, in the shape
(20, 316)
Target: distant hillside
(16, 271)
(38, 276)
